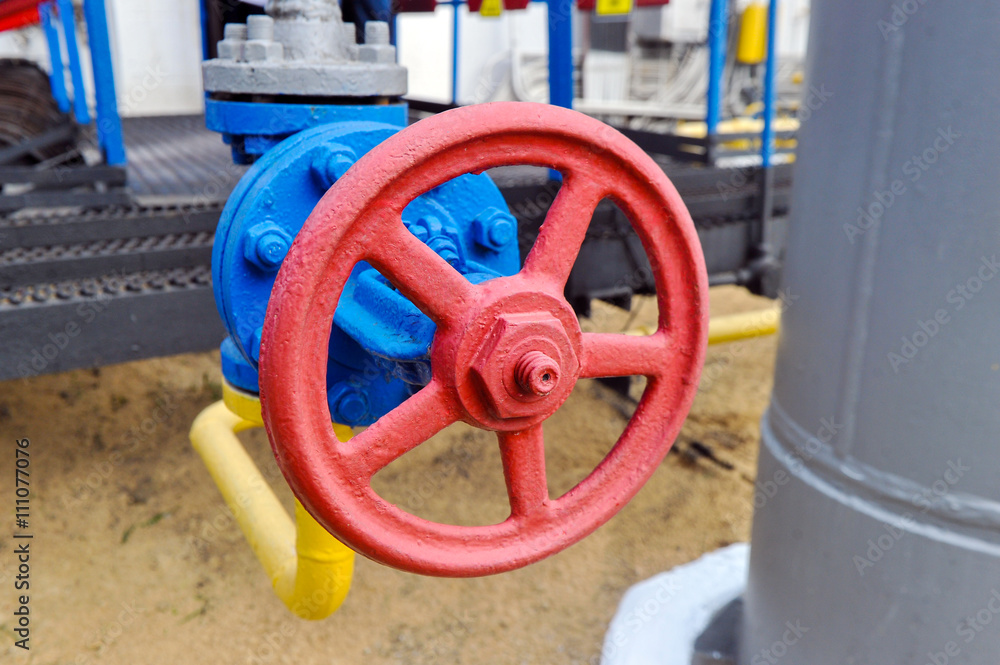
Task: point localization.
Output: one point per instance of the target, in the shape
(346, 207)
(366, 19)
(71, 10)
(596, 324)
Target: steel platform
(84, 287)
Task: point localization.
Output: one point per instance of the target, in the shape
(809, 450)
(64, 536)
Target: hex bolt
(349, 34)
(331, 163)
(260, 27)
(376, 32)
(536, 373)
(232, 45)
(236, 32)
(446, 249)
(417, 230)
(259, 50)
(348, 405)
(266, 245)
(494, 229)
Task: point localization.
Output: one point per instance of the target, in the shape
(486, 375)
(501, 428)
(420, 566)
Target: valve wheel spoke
(523, 455)
(430, 283)
(401, 430)
(618, 354)
(565, 226)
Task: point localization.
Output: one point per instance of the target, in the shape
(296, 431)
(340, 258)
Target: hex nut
(377, 53)
(494, 229)
(348, 404)
(331, 163)
(263, 51)
(496, 363)
(265, 245)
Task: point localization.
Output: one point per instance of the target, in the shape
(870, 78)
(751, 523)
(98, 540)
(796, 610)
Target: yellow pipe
(309, 569)
(734, 327)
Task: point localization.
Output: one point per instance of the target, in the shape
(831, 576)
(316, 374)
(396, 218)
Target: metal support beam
(455, 21)
(66, 13)
(718, 34)
(57, 77)
(560, 13)
(109, 125)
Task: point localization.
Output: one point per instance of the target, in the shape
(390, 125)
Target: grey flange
(304, 48)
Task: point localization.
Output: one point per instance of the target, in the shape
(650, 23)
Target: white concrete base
(659, 620)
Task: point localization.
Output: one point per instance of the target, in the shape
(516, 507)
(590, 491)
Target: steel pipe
(877, 528)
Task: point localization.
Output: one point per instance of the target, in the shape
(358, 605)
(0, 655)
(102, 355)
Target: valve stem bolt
(536, 373)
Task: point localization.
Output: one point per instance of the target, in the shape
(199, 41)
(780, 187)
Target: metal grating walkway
(177, 156)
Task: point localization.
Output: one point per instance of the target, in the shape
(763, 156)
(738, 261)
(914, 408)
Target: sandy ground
(136, 560)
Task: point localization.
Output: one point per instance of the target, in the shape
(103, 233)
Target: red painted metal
(19, 20)
(406, 6)
(15, 14)
(11, 7)
(509, 5)
(495, 341)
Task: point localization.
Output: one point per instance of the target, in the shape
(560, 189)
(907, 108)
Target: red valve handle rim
(360, 219)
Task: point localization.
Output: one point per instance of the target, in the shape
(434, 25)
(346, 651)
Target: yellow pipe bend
(309, 569)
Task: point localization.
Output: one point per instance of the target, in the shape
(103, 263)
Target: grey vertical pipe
(876, 536)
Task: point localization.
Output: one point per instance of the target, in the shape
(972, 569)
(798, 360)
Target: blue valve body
(379, 350)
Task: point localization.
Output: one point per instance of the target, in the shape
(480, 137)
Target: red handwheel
(506, 353)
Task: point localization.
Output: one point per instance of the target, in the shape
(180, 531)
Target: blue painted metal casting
(253, 128)
(57, 77)
(767, 135)
(109, 124)
(379, 342)
(80, 110)
(718, 34)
